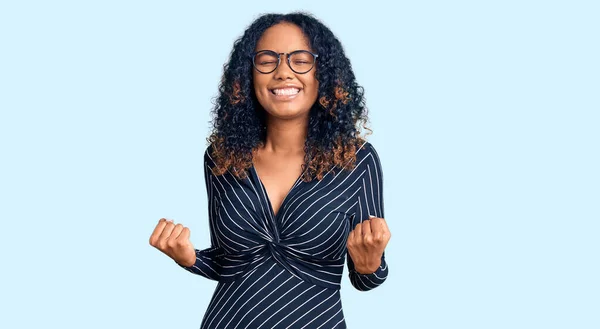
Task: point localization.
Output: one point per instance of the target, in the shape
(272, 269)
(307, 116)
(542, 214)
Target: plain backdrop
(485, 115)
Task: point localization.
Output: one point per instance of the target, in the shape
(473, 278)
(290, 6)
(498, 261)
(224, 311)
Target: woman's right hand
(174, 241)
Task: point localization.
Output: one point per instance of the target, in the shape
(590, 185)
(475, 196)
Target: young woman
(292, 186)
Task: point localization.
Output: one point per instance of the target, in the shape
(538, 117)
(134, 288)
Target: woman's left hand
(366, 244)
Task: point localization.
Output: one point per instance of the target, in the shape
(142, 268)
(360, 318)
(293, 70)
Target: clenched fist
(366, 244)
(174, 241)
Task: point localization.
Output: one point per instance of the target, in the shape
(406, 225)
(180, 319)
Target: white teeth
(286, 91)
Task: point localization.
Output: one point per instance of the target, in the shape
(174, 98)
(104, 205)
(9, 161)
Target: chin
(283, 112)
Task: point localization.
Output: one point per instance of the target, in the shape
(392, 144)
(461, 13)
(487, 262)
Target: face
(283, 93)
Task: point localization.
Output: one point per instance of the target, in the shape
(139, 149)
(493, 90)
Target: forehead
(283, 38)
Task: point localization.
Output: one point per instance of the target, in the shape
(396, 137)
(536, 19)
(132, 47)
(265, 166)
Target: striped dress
(284, 270)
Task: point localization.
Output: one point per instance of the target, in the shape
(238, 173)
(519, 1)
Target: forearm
(207, 263)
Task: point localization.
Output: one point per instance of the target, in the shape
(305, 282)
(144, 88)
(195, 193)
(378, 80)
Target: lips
(285, 91)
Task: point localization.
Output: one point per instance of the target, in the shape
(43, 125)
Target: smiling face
(283, 93)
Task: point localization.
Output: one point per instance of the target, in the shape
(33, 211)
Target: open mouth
(285, 91)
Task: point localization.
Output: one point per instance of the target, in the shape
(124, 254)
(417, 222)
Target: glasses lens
(302, 61)
(265, 61)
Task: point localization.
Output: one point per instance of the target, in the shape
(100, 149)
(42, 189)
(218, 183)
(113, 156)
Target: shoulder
(367, 160)
(208, 159)
(366, 147)
(367, 153)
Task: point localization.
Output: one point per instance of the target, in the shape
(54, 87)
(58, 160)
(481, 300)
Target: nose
(284, 71)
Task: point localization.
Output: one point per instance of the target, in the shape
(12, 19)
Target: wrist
(188, 262)
(366, 269)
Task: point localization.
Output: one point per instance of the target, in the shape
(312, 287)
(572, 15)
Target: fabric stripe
(284, 270)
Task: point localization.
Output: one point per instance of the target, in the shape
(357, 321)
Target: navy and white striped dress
(284, 270)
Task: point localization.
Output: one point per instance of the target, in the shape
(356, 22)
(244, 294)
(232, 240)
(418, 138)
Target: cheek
(260, 84)
(314, 89)
(312, 86)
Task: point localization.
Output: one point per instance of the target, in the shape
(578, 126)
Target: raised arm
(366, 242)
(208, 260)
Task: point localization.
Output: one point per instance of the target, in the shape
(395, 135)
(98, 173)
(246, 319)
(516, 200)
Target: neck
(286, 136)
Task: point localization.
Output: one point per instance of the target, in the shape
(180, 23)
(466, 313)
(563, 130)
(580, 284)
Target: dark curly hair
(239, 127)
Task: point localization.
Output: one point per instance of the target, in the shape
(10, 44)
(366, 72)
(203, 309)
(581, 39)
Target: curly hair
(239, 121)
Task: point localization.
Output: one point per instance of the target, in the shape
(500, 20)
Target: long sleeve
(370, 202)
(207, 260)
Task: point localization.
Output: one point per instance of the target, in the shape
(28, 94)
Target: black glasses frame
(315, 56)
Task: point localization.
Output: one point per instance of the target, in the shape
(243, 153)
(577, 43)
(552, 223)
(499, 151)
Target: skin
(174, 241)
(366, 244)
(279, 161)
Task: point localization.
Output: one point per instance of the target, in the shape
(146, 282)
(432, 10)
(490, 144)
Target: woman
(292, 186)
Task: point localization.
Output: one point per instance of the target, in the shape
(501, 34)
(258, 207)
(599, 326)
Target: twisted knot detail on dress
(286, 247)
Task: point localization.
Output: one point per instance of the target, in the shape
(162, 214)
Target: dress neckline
(266, 194)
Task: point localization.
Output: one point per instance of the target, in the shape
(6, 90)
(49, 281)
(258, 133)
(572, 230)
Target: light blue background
(485, 117)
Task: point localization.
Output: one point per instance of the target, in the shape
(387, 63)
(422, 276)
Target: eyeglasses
(300, 61)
